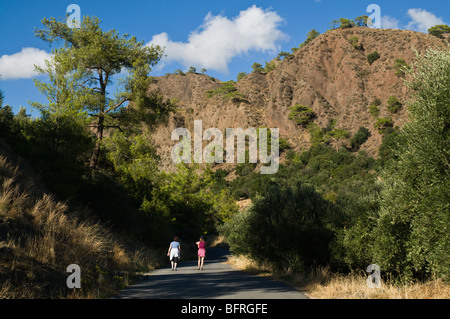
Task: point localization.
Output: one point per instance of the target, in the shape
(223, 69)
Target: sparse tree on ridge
(439, 30)
(257, 68)
(362, 21)
(192, 69)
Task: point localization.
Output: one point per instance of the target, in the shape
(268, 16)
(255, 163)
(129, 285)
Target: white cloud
(422, 20)
(219, 39)
(388, 22)
(21, 65)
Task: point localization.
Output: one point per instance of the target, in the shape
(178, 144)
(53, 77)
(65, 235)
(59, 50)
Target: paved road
(217, 280)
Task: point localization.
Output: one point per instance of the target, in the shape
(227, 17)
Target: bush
(439, 30)
(241, 75)
(270, 66)
(6, 120)
(374, 110)
(311, 36)
(388, 148)
(372, 57)
(285, 227)
(192, 69)
(373, 107)
(179, 72)
(393, 104)
(301, 114)
(362, 21)
(339, 134)
(283, 144)
(346, 23)
(354, 41)
(228, 91)
(400, 66)
(353, 247)
(382, 124)
(282, 55)
(359, 138)
(257, 68)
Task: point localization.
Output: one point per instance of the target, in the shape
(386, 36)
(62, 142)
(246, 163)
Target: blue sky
(225, 37)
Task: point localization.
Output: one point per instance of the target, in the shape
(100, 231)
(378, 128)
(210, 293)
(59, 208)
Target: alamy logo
(213, 152)
(374, 278)
(73, 16)
(376, 15)
(74, 280)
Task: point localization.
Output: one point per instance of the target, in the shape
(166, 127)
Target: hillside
(331, 75)
(40, 236)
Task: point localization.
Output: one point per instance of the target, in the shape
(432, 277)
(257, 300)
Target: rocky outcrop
(331, 75)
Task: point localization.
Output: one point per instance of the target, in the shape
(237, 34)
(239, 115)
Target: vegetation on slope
(329, 206)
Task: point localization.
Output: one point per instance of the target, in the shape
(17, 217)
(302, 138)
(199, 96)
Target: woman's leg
(198, 264)
(202, 260)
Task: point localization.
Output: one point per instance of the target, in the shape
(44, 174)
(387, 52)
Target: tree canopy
(87, 61)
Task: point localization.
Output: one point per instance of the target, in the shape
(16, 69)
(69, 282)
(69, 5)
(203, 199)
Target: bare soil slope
(330, 75)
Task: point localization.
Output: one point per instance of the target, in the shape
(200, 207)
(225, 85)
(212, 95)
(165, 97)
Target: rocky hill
(331, 75)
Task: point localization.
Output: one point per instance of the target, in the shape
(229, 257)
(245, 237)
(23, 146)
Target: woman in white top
(174, 252)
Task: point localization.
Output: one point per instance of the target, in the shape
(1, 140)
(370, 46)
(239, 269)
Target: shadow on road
(217, 280)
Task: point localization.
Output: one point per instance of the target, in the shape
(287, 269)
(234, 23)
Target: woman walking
(174, 253)
(201, 252)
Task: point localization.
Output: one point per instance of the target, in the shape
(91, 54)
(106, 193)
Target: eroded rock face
(329, 75)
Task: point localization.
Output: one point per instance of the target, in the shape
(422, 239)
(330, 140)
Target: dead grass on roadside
(40, 237)
(321, 283)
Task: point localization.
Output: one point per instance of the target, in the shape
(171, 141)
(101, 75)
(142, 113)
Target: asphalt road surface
(217, 280)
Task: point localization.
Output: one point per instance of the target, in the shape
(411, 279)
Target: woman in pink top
(201, 252)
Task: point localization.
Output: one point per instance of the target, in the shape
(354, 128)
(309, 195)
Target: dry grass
(248, 265)
(40, 237)
(321, 283)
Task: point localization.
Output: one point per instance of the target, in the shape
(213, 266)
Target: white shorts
(174, 253)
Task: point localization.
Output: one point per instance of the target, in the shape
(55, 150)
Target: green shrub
(228, 91)
(241, 75)
(257, 68)
(346, 23)
(353, 247)
(400, 66)
(372, 57)
(362, 21)
(301, 114)
(359, 138)
(382, 124)
(439, 30)
(388, 148)
(285, 227)
(270, 66)
(282, 55)
(310, 37)
(192, 69)
(374, 110)
(338, 134)
(284, 144)
(179, 72)
(393, 104)
(354, 41)
(373, 107)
